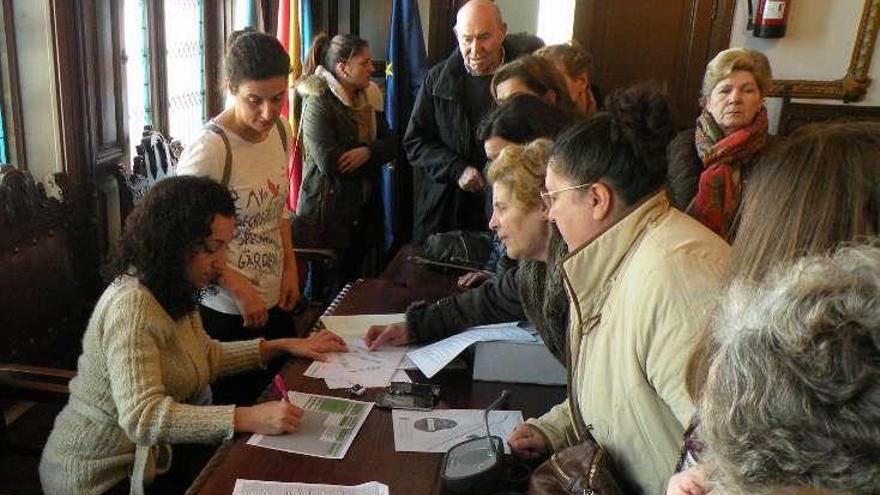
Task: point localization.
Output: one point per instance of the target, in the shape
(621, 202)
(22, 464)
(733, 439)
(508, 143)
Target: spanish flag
(289, 36)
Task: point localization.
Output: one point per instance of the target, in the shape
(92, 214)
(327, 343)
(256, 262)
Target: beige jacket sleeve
(556, 425)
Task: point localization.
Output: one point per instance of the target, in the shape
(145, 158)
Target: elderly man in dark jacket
(440, 140)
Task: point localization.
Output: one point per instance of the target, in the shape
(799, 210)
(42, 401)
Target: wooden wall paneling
(354, 17)
(110, 79)
(795, 115)
(214, 33)
(441, 20)
(73, 99)
(332, 18)
(158, 73)
(102, 39)
(318, 24)
(267, 11)
(15, 138)
(678, 36)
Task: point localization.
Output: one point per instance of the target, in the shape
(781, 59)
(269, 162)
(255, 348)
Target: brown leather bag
(584, 468)
(580, 469)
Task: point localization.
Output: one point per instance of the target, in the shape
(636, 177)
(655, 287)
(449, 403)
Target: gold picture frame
(854, 84)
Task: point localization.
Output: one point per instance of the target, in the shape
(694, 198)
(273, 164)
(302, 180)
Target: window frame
(11, 99)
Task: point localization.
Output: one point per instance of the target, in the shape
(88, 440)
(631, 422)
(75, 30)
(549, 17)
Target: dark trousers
(244, 388)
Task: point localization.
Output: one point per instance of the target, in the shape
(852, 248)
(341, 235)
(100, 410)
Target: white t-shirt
(259, 183)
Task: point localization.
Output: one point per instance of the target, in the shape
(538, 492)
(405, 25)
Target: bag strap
(282, 133)
(581, 429)
(227, 164)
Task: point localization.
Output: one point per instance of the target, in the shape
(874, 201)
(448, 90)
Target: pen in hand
(281, 387)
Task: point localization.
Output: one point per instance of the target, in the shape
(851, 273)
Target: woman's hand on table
(379, 335)
(316, 346)
(269, 418)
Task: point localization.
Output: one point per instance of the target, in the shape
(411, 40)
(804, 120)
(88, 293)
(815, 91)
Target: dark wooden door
(667, 40)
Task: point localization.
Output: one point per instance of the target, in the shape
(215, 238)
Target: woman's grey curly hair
(793, 397)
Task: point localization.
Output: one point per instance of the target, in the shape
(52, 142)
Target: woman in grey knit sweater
(142, 379)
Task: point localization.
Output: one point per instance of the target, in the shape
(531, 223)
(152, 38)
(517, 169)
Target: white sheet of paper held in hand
(440, 429)
(256, 487)
(360, 365)
(433, 358)
(326, 430)
(357, 325)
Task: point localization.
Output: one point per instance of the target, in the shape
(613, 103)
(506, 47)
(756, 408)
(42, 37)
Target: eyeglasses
(548, 196)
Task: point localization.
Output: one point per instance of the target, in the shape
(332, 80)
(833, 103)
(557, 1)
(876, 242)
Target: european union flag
(306, 26)
(404, 75)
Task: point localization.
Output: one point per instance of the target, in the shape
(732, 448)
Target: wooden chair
(43, 310)
(154, 159)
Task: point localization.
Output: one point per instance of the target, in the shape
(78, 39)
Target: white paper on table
(326, 430)
(348, 381)
(433, 358)
(256, 487)
(407, 364)
(439, 429)
(401, 376)
(358, 366)
(357, 325)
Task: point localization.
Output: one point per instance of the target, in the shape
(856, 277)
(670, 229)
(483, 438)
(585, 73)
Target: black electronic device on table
(402, 395)
(475, 465)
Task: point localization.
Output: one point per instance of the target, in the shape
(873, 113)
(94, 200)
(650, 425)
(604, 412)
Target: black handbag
(459, 247)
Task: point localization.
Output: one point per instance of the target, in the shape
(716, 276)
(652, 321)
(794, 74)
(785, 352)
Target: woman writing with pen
(147, 362)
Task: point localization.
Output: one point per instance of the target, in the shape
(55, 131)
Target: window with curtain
(137, 70)
(185, 68)
(165, 70)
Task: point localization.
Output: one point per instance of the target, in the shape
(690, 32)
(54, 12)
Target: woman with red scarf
(709, 165)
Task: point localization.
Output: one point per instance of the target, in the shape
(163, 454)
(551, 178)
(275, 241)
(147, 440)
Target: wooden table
(372, 456)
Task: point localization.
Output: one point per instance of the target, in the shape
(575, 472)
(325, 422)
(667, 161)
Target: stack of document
(433, 358)
(360, 365)
(255, 487)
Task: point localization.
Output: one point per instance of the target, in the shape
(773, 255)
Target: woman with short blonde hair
(710, 164)
(521, 168)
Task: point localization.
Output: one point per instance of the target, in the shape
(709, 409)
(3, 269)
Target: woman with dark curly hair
(143, 376)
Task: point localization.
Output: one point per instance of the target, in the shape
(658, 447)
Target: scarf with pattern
(720, 186)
